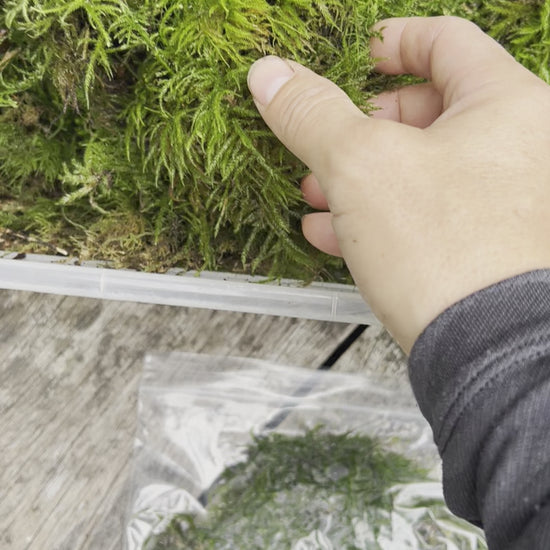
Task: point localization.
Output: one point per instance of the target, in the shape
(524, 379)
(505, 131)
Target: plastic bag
(201, 418)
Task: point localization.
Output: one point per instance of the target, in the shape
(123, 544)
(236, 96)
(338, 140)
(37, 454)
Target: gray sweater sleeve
(481, 375)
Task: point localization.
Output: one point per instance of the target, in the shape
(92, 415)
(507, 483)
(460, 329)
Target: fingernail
(266, 76)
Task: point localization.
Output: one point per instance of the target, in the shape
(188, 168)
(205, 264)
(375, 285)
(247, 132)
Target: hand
(443, 191)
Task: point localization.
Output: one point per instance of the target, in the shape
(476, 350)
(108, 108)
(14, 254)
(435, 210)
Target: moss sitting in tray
(127, 132)
(325, 490)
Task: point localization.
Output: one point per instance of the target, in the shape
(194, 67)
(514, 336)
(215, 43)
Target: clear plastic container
(223, 291)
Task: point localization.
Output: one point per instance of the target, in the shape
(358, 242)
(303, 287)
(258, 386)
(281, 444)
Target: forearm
(481, 374)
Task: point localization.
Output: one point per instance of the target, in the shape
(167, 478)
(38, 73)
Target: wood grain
(68, 383)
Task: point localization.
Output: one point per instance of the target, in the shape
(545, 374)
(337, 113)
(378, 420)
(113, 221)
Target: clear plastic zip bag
(235, 453)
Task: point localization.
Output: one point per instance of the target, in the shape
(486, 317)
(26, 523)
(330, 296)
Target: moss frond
(139, 111)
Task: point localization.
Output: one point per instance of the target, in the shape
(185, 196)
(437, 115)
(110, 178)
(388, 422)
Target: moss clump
(317, 490)
(127, 132)
(290, 487)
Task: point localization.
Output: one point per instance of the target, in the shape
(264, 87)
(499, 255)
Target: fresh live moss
(127, 132)
(291, 486)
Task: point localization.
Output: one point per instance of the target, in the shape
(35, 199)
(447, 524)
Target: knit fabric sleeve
(481, 375)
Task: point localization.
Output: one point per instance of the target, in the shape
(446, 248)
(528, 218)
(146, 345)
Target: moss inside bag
(240, 453)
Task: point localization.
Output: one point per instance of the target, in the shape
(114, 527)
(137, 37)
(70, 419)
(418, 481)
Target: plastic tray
(223, 291)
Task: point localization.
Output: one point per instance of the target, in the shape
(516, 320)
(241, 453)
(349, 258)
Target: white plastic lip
(222, 291)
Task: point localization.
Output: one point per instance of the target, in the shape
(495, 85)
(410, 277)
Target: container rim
(177, 287)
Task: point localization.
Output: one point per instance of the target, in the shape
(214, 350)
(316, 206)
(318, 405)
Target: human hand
(443, 191)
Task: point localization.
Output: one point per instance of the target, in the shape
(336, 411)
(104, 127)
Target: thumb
(309, 114)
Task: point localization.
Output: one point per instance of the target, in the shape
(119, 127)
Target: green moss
(323, 489)
(288, 487)
(135, 115)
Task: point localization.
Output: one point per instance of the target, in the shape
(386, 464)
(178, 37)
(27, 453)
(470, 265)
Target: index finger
(455, 54)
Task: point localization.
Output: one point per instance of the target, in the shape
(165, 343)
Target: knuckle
(312, 118)
(304, 109)
(459, 23)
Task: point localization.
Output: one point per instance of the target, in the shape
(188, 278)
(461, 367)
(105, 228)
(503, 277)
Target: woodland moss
(127, 131)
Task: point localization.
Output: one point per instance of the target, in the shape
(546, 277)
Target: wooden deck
(69, 377)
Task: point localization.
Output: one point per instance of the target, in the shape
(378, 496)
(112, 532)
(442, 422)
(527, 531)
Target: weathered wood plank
(68, 386)
(378, 356)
